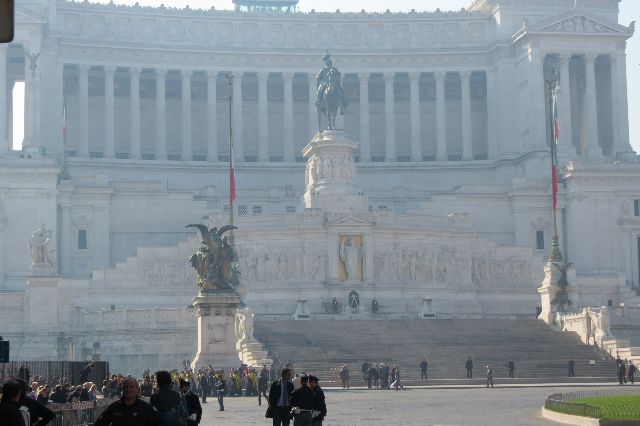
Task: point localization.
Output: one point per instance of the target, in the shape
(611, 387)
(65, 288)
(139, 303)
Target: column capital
(135, 70)
(440, 75)
(363, 76)
(415, 75)
(288, 75)
(465, 75)
(160, 72)
(84, 68)
(565, 57)
(186, 73)
(212, 74)
(389, 76)
(262, 75)
(4, 47)
(109, 69)
(590, 57)
(237, 74)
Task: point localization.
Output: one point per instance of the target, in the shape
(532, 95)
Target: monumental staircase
(540, 353)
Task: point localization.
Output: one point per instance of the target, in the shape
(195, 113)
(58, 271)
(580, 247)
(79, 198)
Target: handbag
(269, 413)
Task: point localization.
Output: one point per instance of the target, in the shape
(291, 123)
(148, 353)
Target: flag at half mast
(554, 150)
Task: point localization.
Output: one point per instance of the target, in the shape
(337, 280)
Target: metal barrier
(78, 413)
(562, 403)
(55, 372)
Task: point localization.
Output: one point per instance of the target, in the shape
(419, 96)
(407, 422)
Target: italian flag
(554, 151)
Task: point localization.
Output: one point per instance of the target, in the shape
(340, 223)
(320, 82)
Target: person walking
(423, 368)
(169, 403)
(129, 410)
(301, 401)
(345, 375)
(631, 371)
(279, 395)
(511, 367)
(319, 402)
(571, 365)
(469, 367)
(263, 384)
(621, 371)
(221, 388)
(489, 376)
(194, 409)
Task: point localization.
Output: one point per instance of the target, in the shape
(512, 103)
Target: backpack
(177, 416)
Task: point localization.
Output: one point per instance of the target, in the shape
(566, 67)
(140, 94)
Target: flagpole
(64, 173)
(231, 183)
(556, 254)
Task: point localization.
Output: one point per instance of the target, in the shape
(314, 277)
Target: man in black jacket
(279, 395)
(319, 403)
(129, 410)
(194, 408)
(9, 411)
(167, 401)
(302, 402)
(40, 415)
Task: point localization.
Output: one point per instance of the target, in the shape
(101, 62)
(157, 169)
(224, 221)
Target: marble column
(467, 142)
(134, 140)
(620, 101)
(441, 117)
(564, 106)
(365, 126)
(313, 112)
(212, 116)
(4, 133)
(32, 103)
(390, 118)
(238, 140)
(161, 114)
(3, 257)
(416, 137)
(492, 115)
(83, 136)
(289, 155)
(591, 107)
(187, 149)
(537, 103)
(263, 123)
(109, 113)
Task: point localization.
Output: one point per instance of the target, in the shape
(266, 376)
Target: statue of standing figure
(330, 95)
(351, 256)
(245, 319)
(42, 256)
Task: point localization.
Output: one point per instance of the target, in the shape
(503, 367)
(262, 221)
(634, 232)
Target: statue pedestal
(302, 312)
(216, 330)
(549, 291)
(427, 312)
(253, 353)
(42, 300)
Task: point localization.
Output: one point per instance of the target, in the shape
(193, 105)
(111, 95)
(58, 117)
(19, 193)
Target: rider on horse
(328, 73)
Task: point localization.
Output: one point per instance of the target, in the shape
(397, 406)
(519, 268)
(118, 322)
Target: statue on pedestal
(42, 255)
(330, 95)
(245, 324)
(214, 260)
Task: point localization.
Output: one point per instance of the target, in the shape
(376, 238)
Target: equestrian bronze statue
(330, 96)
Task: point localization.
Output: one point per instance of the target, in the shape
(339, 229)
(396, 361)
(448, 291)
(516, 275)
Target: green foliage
(623, 407)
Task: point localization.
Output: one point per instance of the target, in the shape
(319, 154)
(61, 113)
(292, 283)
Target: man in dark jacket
(194, 409)
(40, 415)
(168, 402)
(129, 410)
(279, 395)
(469, 367)
(302, 402)
(9, 409)
(319, 403)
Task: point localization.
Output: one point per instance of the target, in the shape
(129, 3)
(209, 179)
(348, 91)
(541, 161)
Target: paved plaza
(467, 406)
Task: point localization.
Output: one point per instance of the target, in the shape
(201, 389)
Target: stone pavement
(443, 407)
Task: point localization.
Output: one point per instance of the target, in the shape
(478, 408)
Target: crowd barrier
(78, 413)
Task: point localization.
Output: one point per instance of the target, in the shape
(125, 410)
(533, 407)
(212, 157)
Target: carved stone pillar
(537, 104)
(212, 116)
(161, 114)
(4, 134)
(187, 149)
(591, 106)
(365, 129)
(416, 145)
(564, 107)
(467, 142)
(263, 123)
(238, 140)
(83, 137)
(441, 117)
(620, 102)
(390, 118)
(492, 115)
(134, 147)
(313, 113)
(109, 111)
(289, 155)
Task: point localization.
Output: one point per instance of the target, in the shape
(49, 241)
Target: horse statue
(330, 95)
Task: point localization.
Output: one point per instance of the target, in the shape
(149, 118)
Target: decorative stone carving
(244, 324)
(214, 259)
(43, 255)
(351, 256)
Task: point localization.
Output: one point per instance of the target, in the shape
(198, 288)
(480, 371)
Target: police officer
(302, 403)
(129, 410)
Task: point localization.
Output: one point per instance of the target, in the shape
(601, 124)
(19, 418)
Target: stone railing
(593, 325)
(105, 319)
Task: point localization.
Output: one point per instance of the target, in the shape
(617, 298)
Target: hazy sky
(629, 11)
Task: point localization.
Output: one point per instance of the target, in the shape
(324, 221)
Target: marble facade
(444, 194)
